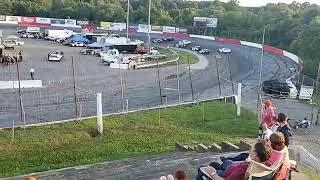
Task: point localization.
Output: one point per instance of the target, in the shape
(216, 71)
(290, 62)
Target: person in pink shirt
(268, 114)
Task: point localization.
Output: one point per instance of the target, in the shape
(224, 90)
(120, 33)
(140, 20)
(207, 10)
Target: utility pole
(191, 85)
(149, 26)
(74, 86)
(260, 73)
(19, 91)
(178, 79)
(318, 77)
(230, 72)
(218, 77)
(128, 11)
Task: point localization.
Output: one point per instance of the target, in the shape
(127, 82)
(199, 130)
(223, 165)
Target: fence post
(99, 114)
(239, 99)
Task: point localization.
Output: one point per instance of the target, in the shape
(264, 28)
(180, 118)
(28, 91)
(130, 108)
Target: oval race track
(142, 89)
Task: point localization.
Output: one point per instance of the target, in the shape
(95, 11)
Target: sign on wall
(82, 23)
(169, 29)
(205, 22)
(43, 21)
(57, 22)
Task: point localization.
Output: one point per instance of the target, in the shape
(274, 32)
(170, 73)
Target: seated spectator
(275, 124)
(230, 170)
(266, 132)
(284, 127)
(278, 150)
(180, 175)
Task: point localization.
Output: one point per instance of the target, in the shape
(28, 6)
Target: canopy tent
(78, 38)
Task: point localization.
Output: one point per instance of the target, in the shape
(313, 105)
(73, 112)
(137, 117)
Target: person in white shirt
(266, 132)
(32, 73)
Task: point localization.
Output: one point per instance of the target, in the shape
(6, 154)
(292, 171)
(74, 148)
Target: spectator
(180, 175)
(267, 114)
(169, 177)
(266, 132)
(279, 148)
(32, 73)
(284, 127)
(275, 124)
(236, 170)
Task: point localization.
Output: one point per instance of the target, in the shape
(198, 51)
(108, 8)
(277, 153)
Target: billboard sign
(2, 18)
(156, 28)
(134, 26)
(212, 22)
(169, 29)
(118, 26)
(104, 25)
(43, 21)
(57, 22)
(143, 28)
(181, 30)
(82, 23)
(13, 19)
(70, 23)
(205, 22)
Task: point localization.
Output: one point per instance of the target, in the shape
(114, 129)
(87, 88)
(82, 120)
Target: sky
(253, 3)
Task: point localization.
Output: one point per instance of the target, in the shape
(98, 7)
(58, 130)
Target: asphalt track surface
(141, 87)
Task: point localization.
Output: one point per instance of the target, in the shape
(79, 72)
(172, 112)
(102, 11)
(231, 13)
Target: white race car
(225, 50)
(55, 57)
(196, 48)
(77, 44)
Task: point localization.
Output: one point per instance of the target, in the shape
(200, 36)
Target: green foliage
(293, 27)
(136, 134)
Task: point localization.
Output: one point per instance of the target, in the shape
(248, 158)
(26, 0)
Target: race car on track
(196, 48)
(204, 51)
(276, 88)
(56, 56)
(157, 40)
(225, 50)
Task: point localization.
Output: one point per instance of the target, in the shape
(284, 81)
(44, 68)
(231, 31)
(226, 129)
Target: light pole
(149, 19)
(128, 11)
(260, 73)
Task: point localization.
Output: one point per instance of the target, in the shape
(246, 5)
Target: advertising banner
(212, 22)
(13, 19)
(143, 28)
(181, 30)
(82, 23)
(71, 23)
(43, 21)
(104, 25)
(118, 26)
(28, 21)
(2, 18)
(134, 26)
(57, 22)
(169, 29)
(156, 28)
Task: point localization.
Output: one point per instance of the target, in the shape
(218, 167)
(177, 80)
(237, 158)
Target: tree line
(294, 27)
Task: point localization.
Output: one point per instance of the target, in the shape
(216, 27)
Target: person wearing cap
(267, 114)
(229, 170)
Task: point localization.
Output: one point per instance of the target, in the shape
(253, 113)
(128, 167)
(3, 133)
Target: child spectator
(267, 114)
(266, 132)
(181, 175)
(284, 127)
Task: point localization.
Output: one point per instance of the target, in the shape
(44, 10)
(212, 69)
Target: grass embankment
(183, 56)
(136, 134)
(310, 173)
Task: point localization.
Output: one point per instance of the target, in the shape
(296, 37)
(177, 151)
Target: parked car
(204, 51)
(275, 87)
(77, 44)
(9, 44)
(56, 56)
(22, 31)
(196, 48)
(225, 50)
(27, 35)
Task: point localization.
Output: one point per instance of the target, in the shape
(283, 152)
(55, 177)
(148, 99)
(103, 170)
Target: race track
(141, 87)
